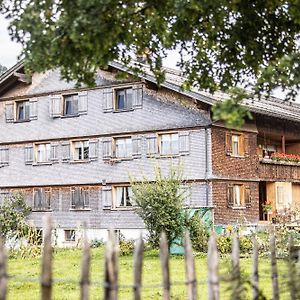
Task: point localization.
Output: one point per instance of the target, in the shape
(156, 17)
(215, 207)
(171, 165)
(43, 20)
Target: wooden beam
(283, 143)
(23, 77)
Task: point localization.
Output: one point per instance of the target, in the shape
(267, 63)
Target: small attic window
(123, 99)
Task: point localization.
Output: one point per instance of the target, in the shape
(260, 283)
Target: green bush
(224, 244)
(126, 246)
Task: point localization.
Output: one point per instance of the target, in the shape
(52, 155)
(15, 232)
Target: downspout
(206, 166)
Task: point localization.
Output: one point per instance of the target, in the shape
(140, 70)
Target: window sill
(80, 209)
(42, 163)
(69, 116)
(168, 155)
(122, 110)
(236, 156)
(41, 210)
(22, 121)
(238, 207)
(123, 208)
(117, 159)
(83, 161)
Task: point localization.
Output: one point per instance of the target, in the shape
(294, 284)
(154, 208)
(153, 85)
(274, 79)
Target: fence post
(293, 274)
(85, 269)
(3, 275)
(255, 276)
(236, 275)
(213, 269)
(190, 268)
(46, 278)
(137, 268)
(111, 268)
(164, 260)
(275, 286)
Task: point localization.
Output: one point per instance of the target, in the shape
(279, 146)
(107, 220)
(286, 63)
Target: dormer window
(123, 99)
(22, 110)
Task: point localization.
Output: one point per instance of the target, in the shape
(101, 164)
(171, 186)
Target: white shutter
(107, 148)
(9, 112)
(136, 147)
(54, 152)
(33, 109)
(4, 156)
(55, 106)
(185, 192)
(82, 102)
(137, 91)
(93, 149)
(184, 142)
(107, 100)
(106, 197)
(28, 154)
(151, 145)
(65, 151)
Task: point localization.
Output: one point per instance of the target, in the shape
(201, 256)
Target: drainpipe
(206, 165)
(283, 143)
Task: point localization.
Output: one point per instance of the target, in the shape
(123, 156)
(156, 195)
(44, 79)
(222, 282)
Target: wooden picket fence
(111, 285)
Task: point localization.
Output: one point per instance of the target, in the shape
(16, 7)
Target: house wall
(296, 196)
(227, 215)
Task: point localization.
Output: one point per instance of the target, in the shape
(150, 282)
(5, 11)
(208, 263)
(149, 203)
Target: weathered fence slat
(255, 276)
(275, 286)
(164, 259)
(46, 277)
(111, 268)
(213, 269)
(137, 268)
(190, 268)
(236, 275)
(85, 269)
(3, 275)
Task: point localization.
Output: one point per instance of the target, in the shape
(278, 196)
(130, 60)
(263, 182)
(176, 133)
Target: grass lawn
(66, 268)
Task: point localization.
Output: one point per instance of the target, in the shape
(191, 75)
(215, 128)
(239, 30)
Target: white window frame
(83, 146)
(65, 100)
(47, 152)
(117, 142)
(128, 103)
(115, 190)
(17, 105)
(172, 151)
(72, 238)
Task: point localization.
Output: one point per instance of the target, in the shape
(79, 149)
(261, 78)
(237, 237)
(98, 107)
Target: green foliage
(224, 244)
(13, 213)
(160, 205)
(96, 243)
(221, 43)
(126, 246)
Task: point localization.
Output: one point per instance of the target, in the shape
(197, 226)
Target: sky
(10, 50)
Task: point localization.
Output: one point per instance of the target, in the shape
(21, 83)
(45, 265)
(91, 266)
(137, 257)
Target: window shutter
(242, 145)
(33, 109)
(4, 156)
(137, 91)
(65, 151)
(230, 201)
(55, 107)
(36, 202)
(247, 197)
(184, 142)
(9, 112)
(151, 145)
(29, 154)
(106, 197)
(107, 100)
(228, 143)
(246, 144)
(185, 193)
(107, 148)
(83, 102)
(85, 198)
(93, 149)
(54, 152)
(136, 147)
(77, 199)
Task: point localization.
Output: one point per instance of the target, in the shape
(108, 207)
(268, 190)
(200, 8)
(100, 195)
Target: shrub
(126, 246)
(224, 244)
(96, 243)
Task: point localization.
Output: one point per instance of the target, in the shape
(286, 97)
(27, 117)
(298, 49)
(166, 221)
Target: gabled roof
(266, 106)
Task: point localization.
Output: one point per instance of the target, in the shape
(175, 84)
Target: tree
(223, 44)
(13, 213)
(2, 69)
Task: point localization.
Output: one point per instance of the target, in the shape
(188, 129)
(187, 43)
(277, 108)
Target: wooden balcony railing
(278, 170)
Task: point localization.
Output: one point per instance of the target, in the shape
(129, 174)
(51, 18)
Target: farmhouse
(71, 151)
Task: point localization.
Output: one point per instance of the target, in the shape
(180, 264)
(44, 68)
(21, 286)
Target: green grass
(66, 264)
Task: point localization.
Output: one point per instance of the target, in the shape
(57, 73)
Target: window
(235, 144)
(70, 235)
(79, 198)
(123, 99)
(22, 110)
(81, 150)
(122, 147)
(41, 199)
(122, 197)
(71, 105)
(168, 144)
(42, 153)
(239, 196)
(281, 194)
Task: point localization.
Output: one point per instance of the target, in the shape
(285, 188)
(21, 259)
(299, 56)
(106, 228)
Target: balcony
(279, 169)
